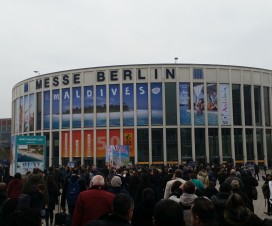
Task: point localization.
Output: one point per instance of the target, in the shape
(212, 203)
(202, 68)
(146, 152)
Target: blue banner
(114, 103)
(55, 108)
(65, 110)
(156, 104)
(46, 110)
(26, 114)
(101, 108)
(76, 107)
(88, 106)
(142, 104)
(128, 105)
(199, 103)
(184, 104)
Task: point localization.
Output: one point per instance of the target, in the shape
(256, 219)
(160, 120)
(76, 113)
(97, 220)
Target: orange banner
(114, 137)
(65, 138)
(129, 140)
(101, 142)
(88, 143)
(76, 144)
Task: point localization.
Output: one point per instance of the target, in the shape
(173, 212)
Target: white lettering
(142, 91)
(77, 94)
(66, 95)
(56, 97)
(89, 93)
(127, 91)
(114, 91)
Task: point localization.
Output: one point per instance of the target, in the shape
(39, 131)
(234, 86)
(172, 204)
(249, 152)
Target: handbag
(254, 193)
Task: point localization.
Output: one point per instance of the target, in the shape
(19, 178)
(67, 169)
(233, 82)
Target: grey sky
(54, 35)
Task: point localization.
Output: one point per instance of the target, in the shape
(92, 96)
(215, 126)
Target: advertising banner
(65, 109)
(21, 115)
(114, 105)
(114, 137)
(55, 108)
(117, 156)
(65, 137)
(156, 104)
(225, 104)
(101, 108)
(101, 140)
(46, 110)
(26, 114)
(199, 102)
(76, 142)
(17, 115)
(31, 112)
(88, 143)
(142, 104)
(30, 153)
(212, 106)
(128, 105)
(185, 104)
(128, 140)
(76, 107)
(88, 106)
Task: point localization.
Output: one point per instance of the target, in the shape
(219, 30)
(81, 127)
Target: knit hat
(116, 181)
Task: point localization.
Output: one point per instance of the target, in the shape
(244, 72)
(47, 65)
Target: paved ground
(259, 205)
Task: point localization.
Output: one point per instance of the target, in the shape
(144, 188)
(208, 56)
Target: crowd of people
(134, 195)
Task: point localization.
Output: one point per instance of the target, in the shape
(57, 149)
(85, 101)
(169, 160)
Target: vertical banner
(26, 114)
(31, 112)
(128, 105)
(88, 106)
(114, 105)
(76, 148)
(156, 104)
(30, 153)
(17, 115)
(88, 143)
(114, 137)
(184, 104)
(212, 108)
(225, 104)
(21, 115)
(76, 108)
(117, 155)
(55, 108)
(101, 107)
(128, 139)
(142, 104)
(199, 102)
(65, 108)
(101, 140)
(65, 139)
(46, 110)
(12, 155)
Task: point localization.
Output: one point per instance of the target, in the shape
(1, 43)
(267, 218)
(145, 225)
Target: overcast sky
(54, 35)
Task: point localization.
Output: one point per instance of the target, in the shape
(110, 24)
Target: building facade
(166, 113)
(5, 141)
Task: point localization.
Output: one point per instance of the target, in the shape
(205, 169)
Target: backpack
(2, 222)
(72, 192)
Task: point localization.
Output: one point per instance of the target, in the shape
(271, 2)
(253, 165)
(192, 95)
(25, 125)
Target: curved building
(166, 113)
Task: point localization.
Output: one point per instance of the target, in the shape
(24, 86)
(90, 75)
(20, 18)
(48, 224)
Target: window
(198, 73)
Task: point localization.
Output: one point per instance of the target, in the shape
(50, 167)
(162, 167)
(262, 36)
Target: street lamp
(37, 72)
(176, 59)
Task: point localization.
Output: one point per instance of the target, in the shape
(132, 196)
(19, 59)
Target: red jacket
(91, 205)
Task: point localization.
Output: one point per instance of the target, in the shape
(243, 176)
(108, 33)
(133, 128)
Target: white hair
(97, 180)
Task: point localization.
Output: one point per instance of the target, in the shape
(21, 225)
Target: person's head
(97, 181)
(235, 185)
(225, 187)
(232, 172)
(188, 187)
(123, 206)
(3, 187)
(168, 212)
(178, 173)
(17, 176)
(148, 196)
(175, 186)
(234, 201)
(116, 181)
(192, 175)
(203, 213)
